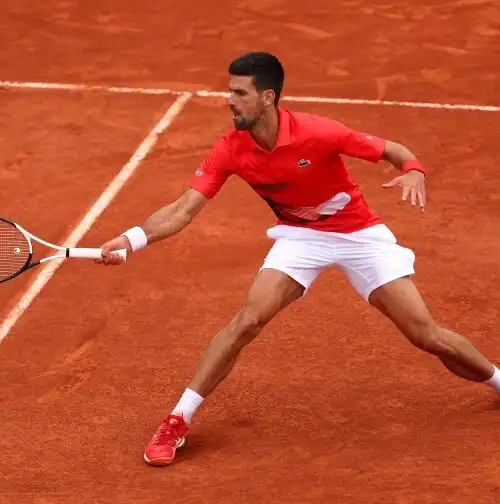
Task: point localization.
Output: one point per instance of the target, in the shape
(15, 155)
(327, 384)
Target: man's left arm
(371, 148)
(412, 180)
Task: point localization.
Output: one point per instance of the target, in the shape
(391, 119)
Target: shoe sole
(161, 461)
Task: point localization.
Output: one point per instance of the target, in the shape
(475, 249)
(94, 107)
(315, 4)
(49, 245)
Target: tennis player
(293, 161)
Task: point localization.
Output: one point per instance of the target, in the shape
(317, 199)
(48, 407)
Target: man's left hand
(413, 185)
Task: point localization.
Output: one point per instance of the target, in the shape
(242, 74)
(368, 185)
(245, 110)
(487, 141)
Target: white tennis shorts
(370, 258)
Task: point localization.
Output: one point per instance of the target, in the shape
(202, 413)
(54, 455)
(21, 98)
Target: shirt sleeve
(356, 144)
(214, 170)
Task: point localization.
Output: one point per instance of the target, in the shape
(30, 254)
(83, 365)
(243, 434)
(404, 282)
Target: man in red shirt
(292, 160)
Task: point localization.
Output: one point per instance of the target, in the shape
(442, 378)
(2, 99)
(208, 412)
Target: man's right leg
(272, 291)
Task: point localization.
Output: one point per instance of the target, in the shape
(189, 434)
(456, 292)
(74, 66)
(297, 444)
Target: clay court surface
(330, 404)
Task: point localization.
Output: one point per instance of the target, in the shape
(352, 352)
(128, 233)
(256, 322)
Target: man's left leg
(401, 302)
(380, 269)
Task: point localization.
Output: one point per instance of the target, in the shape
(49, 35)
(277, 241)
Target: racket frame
(65, 252)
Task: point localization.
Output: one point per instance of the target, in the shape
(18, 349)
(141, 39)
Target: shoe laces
(168, 432)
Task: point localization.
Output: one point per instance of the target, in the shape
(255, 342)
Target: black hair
(266, 70)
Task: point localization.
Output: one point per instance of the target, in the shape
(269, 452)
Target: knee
(427, 336)
(247, 324)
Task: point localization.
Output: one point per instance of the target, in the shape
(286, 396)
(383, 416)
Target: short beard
(242, 124)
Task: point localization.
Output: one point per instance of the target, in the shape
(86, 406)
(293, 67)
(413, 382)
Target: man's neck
(265, 132)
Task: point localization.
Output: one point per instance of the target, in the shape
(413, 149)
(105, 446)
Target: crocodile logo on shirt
(303, 163)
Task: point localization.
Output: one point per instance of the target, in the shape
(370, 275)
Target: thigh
(271, 291)
(372, 258)
(401, 302)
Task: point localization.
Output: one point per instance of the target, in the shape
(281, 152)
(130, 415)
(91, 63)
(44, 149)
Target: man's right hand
(109, 258)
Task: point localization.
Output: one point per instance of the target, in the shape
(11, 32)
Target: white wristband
(137, 238)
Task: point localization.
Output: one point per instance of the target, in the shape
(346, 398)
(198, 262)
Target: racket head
(16, 250)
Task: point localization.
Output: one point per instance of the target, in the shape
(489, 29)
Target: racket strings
(14, 250)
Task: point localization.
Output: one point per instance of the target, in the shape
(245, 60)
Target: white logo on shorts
(199, 172)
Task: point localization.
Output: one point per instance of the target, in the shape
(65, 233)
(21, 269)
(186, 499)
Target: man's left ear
(269, 96)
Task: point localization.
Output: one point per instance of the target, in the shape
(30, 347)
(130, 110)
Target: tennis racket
(16, 251)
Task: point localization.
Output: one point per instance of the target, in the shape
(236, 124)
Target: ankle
(189, 402)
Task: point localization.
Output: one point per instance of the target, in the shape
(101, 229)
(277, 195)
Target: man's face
(245, 102)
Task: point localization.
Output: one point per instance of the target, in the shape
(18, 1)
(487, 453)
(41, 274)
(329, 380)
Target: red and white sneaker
(168, 437)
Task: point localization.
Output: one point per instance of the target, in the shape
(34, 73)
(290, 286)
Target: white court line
(212, 94)
(93, 214)
(359, 101)
(88, 87)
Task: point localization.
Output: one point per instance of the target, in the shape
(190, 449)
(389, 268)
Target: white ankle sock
(188, 404)
(494, 381)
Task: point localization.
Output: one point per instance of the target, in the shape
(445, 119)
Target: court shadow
(199, 443)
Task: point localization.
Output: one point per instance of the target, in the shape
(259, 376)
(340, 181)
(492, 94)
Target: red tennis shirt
(303, 179)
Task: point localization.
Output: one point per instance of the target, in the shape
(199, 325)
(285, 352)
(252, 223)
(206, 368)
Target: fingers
(421, 198)
(414, 190)
(393, 183)
(110, 257)
(413, 196)
(406, 191)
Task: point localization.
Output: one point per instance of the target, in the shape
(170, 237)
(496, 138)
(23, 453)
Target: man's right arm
(169, 220)
(172, 218)
(204, 184)
(165, 222)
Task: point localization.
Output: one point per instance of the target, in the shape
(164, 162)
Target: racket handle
(91, 253)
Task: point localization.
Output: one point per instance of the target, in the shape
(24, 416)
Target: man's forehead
(241, 82)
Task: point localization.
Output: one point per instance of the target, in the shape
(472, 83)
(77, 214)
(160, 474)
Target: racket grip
(91, 253)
